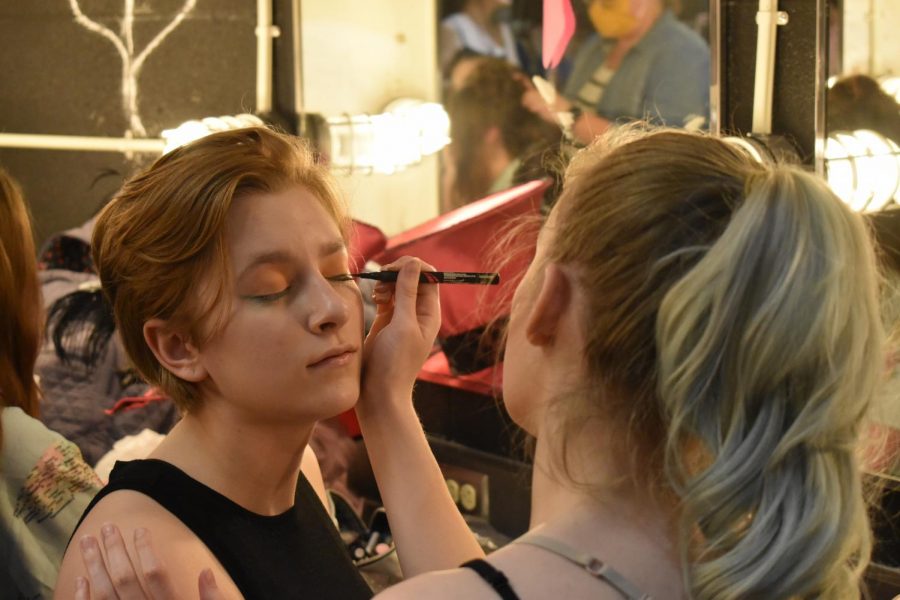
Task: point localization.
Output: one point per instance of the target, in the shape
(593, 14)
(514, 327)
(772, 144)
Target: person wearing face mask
(481, 27)
(642, 64)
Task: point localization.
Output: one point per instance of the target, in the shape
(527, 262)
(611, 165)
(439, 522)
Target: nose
(329, 310)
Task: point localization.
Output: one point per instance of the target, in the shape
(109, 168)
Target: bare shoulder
(181, 552)
(536, 573)
(532, 574)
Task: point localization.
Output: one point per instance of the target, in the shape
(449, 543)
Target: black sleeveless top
(297, 554)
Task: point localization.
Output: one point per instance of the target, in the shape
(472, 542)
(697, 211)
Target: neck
(606, 506)
(552, 494)
(255, 464)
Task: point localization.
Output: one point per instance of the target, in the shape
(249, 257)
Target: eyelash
(272, 297)
(341, 278)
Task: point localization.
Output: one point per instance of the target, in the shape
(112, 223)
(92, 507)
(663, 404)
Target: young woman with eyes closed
(226, 265)
(695, 347)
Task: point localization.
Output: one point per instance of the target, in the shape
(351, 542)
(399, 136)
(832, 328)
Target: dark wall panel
(60, 78)
(794, 102)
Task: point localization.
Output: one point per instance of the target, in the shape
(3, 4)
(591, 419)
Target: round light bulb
(863, 169)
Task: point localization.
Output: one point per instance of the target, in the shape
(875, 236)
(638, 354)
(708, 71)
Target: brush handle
(436, 277)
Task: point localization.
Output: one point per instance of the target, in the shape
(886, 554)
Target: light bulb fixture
(194, 130)
(389, 142)
(891, 85)
(863, 169)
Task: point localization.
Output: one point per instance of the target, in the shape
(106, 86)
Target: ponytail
(770, 349)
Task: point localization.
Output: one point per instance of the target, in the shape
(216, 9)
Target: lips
(337, 356)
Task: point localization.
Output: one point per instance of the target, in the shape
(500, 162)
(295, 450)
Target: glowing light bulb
(390, 141)
(891, 85)
(863, 169)
(194, 130)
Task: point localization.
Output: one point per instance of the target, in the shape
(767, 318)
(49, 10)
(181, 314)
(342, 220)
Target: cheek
(250, 341)
(353, 299)
(519, 368)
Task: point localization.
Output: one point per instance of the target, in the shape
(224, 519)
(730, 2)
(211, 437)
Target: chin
(341, 398)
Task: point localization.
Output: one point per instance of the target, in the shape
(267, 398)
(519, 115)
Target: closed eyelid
(268, 297)
(340, 277)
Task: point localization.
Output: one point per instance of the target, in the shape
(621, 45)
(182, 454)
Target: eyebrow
(280, 256)
(332, 247)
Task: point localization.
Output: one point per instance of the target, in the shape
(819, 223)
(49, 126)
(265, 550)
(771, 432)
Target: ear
(174, 350)
(553, 299)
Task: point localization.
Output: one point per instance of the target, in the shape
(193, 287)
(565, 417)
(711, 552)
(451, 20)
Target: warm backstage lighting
(891, 85)
(194, 130)
(863, 169)
(384, 143)
(390, 141)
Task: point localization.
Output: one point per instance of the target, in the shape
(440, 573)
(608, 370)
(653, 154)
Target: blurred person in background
(496, 143)
(642, 63)
(44, 483)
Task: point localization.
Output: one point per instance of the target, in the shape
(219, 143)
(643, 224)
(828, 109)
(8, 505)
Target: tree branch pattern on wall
(131, 64)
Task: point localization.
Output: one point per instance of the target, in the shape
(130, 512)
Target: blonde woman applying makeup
(694, 347)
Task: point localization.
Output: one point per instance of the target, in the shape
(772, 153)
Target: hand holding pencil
(407, 319)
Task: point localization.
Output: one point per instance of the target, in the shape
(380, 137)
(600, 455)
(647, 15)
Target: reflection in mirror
(627, 60)
(862, 162)
(862, 111)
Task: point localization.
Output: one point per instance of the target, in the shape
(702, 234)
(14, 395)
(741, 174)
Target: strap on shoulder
(592, 565)
(494, 577)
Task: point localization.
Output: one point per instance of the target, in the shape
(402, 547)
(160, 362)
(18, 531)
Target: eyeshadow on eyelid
(264, 281)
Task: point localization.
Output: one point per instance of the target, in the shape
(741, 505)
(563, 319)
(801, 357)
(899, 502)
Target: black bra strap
(495, 578)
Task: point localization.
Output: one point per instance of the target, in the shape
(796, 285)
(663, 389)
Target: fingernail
(208, 577)
(86, 543)
(108, 530)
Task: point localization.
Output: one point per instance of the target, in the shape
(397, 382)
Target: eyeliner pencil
(436, 277)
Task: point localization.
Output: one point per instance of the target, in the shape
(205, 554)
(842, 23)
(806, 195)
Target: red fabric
(350, 423)
(462, 240)
(366, 241)
(488, 382)
(134, 402)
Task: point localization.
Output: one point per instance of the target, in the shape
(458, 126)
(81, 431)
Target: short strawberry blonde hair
(159, 246)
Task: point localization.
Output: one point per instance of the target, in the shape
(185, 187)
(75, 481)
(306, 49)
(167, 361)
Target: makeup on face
(436, 277)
